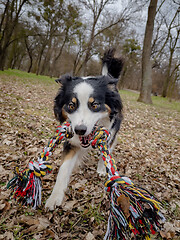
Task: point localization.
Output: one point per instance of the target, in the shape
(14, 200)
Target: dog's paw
(53, 202)
(101, 171)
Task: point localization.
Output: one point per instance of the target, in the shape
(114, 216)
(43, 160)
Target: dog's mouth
(85, 140)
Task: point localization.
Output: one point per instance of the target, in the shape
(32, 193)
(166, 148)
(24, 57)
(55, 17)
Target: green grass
(128, 95)
(24, 76)
(158, 101)
(166, 103)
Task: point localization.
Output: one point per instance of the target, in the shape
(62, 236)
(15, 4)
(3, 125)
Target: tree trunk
(46, 62)
(2, 60)
(39, 59)
(89, 46)
(169, 75)
(29, 51)
(146, 81)
(53, 65)
(167, 80)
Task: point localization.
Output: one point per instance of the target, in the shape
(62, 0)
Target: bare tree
(172, 41)
(146, 81)
(165, 45)
(9, 20)
(97, 8)
(170, 72)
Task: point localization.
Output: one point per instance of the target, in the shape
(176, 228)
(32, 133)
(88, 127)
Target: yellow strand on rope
(148, 199)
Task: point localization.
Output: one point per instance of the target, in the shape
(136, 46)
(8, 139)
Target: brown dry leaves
(124, 203)
(147, 152)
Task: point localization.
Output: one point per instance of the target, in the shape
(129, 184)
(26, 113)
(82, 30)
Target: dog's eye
(71, 106)
(94, 106)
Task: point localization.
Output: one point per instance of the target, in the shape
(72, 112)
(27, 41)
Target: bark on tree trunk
(167, 80)
(29, 54)
(146, 82)
(169, 74)
(53, 65)
(39, 60)
(87, 56)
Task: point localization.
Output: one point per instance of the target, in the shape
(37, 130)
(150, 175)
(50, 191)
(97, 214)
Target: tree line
(53, 37)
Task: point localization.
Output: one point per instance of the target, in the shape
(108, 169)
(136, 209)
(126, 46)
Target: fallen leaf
(6, 206)
(124, 203)
(2, 205)
(50, 232)
(43, 223)
(6, 142)
(3, 172)
(68, 206)
(28, 220)
(89, 236)
(167, 235)
(8, 236)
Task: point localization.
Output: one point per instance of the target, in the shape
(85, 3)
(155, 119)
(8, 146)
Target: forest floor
(148, 151)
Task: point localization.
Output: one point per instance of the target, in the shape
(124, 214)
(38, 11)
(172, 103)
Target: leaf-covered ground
(148, 151)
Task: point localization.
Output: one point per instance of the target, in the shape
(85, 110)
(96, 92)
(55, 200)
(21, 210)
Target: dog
(86, 102)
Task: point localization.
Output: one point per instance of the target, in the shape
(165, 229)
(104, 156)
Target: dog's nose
(80, 129)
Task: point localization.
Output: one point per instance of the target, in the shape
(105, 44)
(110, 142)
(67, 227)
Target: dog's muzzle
(85, 140)
(80, 129)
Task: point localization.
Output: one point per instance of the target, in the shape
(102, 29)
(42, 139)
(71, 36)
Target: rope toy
(26, 185)
(133, 210)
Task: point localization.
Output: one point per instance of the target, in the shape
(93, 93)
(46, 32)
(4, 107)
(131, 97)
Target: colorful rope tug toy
(133, 210)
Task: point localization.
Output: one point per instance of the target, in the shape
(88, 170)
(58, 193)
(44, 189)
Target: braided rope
(42, 167)
(144, 214)
(26, 185)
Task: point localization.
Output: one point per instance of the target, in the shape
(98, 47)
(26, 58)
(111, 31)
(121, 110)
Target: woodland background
(54, 37)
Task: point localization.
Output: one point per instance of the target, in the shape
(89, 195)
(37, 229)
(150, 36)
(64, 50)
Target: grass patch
(158, 101)
(129, 95)
(166, 103)
(24, 76)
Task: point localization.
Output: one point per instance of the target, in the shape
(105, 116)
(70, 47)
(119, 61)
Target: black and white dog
(86, 102)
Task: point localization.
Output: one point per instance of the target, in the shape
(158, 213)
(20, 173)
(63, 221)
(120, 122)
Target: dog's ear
(111, 81)
(59, 102)
(112, 66)
(65, 78)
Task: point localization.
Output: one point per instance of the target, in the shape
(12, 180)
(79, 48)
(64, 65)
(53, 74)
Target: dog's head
(86, 101)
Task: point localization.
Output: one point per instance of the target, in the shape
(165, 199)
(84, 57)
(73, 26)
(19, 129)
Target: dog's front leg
(101, 169)
(63, 177)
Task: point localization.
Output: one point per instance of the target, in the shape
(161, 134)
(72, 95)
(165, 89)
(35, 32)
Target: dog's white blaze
(83, 115)
(105, 70)
(83, 91)
(88, 77)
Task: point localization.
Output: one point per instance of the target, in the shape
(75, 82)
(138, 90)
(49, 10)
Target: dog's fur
(86, 102)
